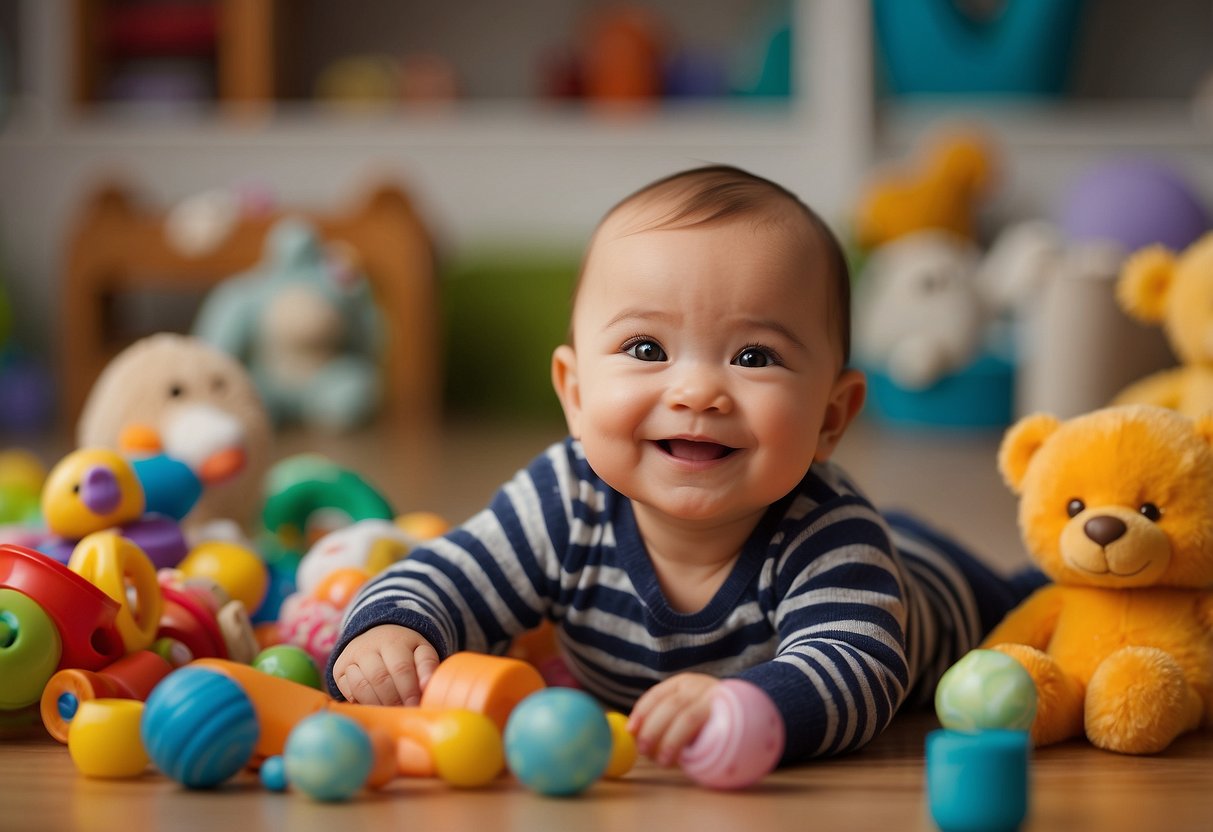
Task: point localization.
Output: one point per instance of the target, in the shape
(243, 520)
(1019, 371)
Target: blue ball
(557, 741)
(199, 727)
(273, 773)
(328, 757)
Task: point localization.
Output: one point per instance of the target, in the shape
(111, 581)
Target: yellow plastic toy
(119, 568)
(89, 490)
(1114, 507)
(104, 739)
(238, 570)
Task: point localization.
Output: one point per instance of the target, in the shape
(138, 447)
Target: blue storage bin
(980, 396)
(941, 46)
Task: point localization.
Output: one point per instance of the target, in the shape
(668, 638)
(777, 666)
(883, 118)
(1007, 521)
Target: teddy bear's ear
(1204, 428)
(1145, 281)
(1020, 443)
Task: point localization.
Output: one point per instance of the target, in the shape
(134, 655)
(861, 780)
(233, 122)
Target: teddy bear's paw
(1058, 695)
(1138, 701)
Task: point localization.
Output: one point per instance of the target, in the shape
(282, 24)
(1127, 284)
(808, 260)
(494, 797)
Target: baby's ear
(1145, 282)
(567, 386)
(1020, 443)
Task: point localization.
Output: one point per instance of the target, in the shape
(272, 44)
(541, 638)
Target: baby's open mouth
(690, 449)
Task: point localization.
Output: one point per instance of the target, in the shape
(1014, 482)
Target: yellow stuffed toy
(1115, 507)
(1159, 286)
(942, 189)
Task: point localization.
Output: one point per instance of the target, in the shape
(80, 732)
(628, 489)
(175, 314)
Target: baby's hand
(386, 665)
(669, 715)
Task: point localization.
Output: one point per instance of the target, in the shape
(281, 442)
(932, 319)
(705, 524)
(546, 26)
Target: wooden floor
(948, 478)
(1073, 788)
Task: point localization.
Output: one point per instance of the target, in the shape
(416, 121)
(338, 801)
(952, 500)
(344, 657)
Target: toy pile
(140, 623)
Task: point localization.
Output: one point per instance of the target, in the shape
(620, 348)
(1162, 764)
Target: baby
(692, 527)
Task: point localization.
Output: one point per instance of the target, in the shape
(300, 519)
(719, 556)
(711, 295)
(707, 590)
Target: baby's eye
(645, 349)
(756, 357)
(177, 390)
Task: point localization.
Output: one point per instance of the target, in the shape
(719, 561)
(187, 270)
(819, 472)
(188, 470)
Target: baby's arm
(669, 715)
(386, 665)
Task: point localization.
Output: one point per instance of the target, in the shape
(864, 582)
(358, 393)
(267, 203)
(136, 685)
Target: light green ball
(986, 689)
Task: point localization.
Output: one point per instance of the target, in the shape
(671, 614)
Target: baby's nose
(700, 388)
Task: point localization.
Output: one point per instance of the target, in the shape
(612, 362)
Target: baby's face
(703, 364)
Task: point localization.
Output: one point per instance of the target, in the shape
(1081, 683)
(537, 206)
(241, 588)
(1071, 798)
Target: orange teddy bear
(1115, 507)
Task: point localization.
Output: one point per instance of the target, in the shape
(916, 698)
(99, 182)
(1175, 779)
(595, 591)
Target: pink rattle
(741, 742)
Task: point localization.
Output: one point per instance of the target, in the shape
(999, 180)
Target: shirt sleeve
(840, 670)
(481, 584)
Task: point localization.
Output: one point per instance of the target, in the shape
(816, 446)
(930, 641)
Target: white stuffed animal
(918, 313)
(178, 395)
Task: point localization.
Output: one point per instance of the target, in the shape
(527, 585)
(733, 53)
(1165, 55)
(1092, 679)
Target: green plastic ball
(986, 690)
(289, 662)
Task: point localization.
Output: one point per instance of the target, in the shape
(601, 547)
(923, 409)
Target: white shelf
(1159, 125)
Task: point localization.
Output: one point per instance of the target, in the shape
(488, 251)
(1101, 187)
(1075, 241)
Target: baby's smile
(693, 450)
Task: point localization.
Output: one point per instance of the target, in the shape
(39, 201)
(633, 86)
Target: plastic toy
(90, 490)
(287, 661)
(741, 742)
(179, 396)
(307, 328)
(170, 487)
(206, 622)
(939, 46)
(93, 489)
(131, 677)
(199, 727)
(1113, 506)
(120, 569)
(458, 745)
(340, 586)
(33, 589)
(104, 740)
(31, 649)
(305, 493)
(273, 773)
(1135, 202)
(986, 690)
(978, 782)
(558, 741)
(371, 545)
(1158, 286)
(239, 570)
(942, 191)
(328, 757)
(623, 747)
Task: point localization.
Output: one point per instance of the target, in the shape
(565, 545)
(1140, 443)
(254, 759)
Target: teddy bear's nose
(1104, 529)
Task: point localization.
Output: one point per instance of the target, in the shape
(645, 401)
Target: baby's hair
(705, 195)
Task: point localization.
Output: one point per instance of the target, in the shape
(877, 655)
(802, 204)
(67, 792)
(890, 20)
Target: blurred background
(457, 155)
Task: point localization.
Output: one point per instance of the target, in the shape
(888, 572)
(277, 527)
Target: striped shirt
(839, 616)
